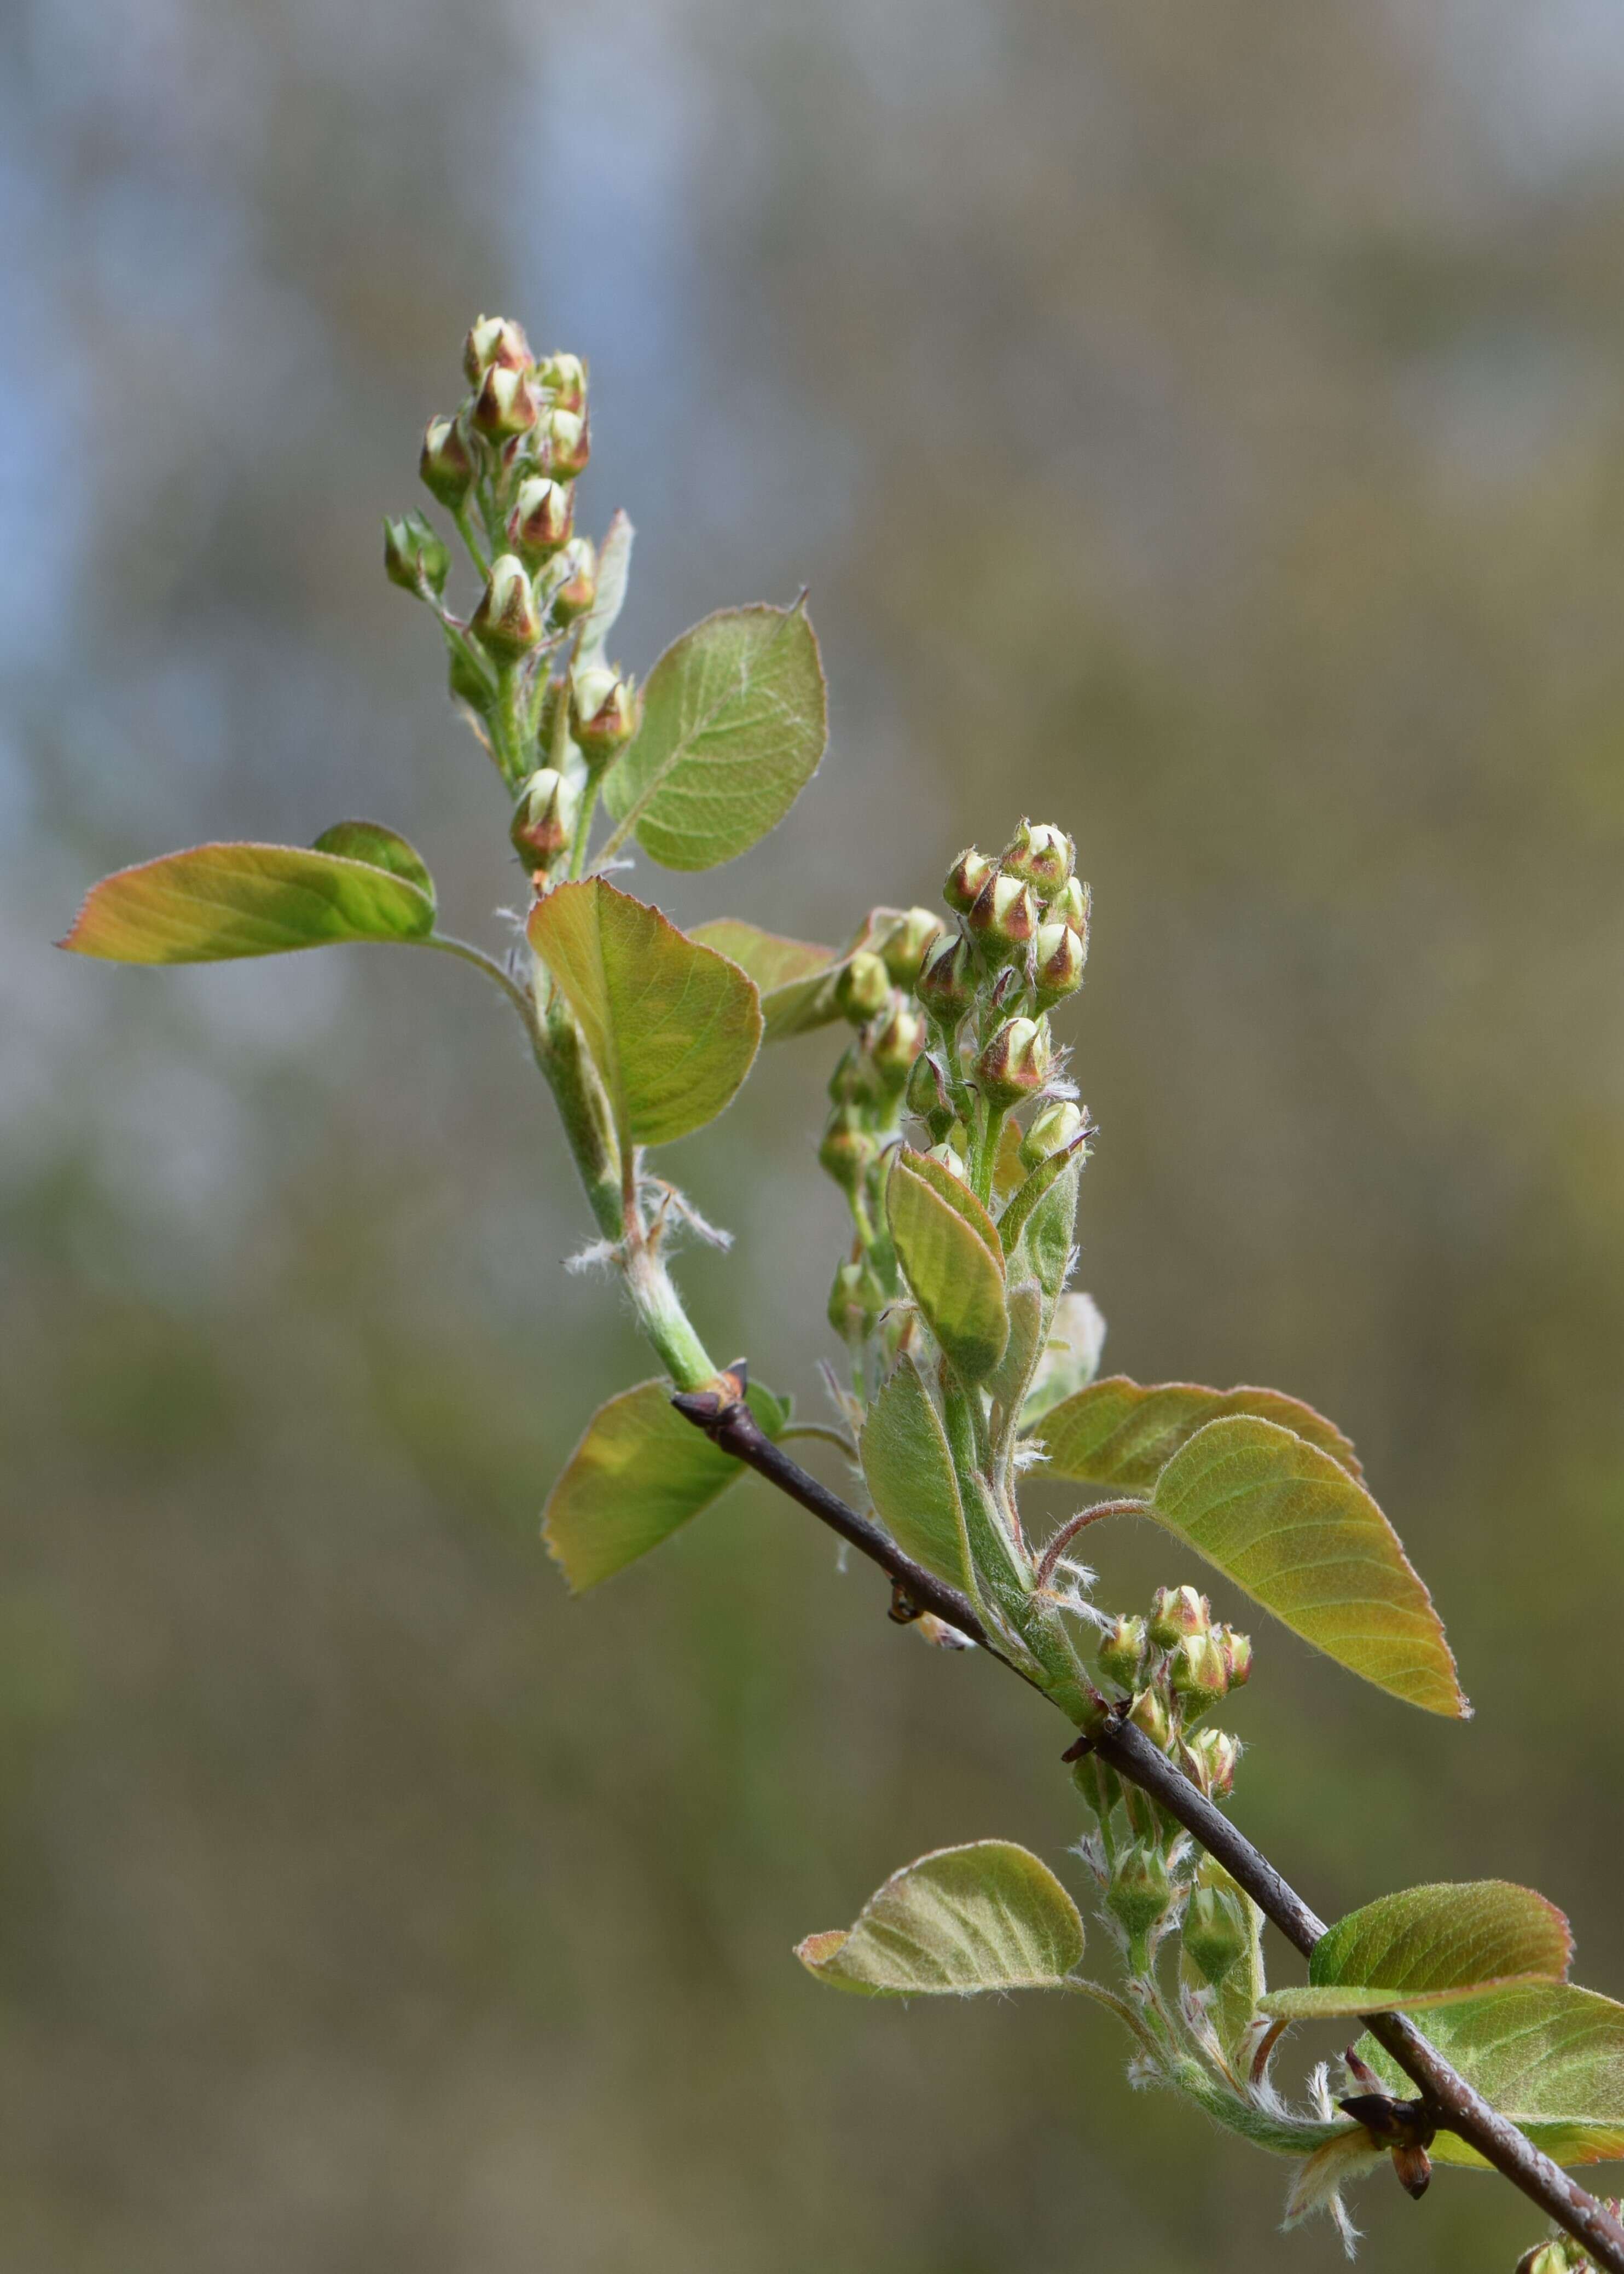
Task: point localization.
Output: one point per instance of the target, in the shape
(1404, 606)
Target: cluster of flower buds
(1559, 2254)
(1175, 1664)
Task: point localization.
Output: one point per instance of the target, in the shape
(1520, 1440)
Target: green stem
(477, 553)
(584, 827)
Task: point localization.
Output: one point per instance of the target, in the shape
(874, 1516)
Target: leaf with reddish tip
(214, 903)
(793, 975)
(1429, 1946)
(989, 1915)
(1123, 1433)
(947, 1247)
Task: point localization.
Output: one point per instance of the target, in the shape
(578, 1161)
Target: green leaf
(947, 1247)
(793, 975)
(671, 1026)
(1007, 1383)
(379, 849)
(1123, 1433)
(986, 1917)
(1039, 1224)
(1289, 1525)
(909, 1473)
(639, 1473)
(1070, 1359)
(1550, 2056)
(615, 561)
(215, 902)
(1427, 1947)
(734, 721)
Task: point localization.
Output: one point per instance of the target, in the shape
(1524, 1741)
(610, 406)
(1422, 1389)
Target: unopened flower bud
(577, 586)
(564, 377)
(543, 516)
(848, 1151)
(1175, 1612)
(854, 1081)
(1149, 1712)
(1003, 919)
(1213, 1754)
(445, 468)
(506, 403)
(544, 820)
(506, 621)
(863, 988)
(897, 1044)
(1071, 905)
(1122, 1653)
(1139, 1895)
(947, 1157)
(927, 1091)
(905, 945)
(414, 555)
(1217, 1934)
(567, 443)
(495, 340)
(1237, 1650)
(1197, 1671)
(947, 983)
(1051, 1131)
(965, 879)
(1058, 956)
(856, 1302)
(603, 714)
(1017, 1062)
(1556, 2256)
(1041, 854)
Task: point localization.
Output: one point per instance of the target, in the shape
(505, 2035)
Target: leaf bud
(1122, 1653)
(543, 516)
(896, 1044)
(1017, 1062)
(1237, 1650)
(564, 377)
(544, 820)
(1149, 1714)
(506, 403)
(1217, 1934)
(863, 989)
(445, 468)
(1197, 1671)
(1071, 905)
(1002, 918)
(603, 714)
(1140, 1895)
(577, 586)
(907, 942)
(1051, 1131)
(1175, 1612)
(506, 621)
(567, 443)
(1213, 1754)
(947, 983)
(413, 555)
(1042, 854)
(965, 879)
(1058, 956)
(948, 1158)
(848, 1151)
(493, 340)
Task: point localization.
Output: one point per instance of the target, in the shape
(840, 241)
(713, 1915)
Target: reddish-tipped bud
(1051, 1131)
(896, 1043)
(947, 983)
(445, 468)
(1237, 1650)
(1149, 1712)
(506, 403)
(965, 879)
(905, 944)
(544, 820)
(863, 989)
(1197, 1670)
(1017, 1062)
(493, 341)
(1213, 1754)
(848, 1151)
(543, 516)
(564, 377)
(604, 713)
(506, 621)
(1071, 905)
(413, 555)
(577, 586)
(1041, 854)
(1058, 957)
(566, 443)
(927, 1094)
(1004, 919)
(1175, 1612)
(1122, 1651)
(1217, 1934)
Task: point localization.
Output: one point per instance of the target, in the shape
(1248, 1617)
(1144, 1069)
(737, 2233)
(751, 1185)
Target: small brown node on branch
(1407, 2126)
(904, 1610)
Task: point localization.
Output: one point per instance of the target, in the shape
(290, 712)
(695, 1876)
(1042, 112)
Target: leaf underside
(1123, 1433)
(989, 1915)
(947, 1247)
(791, 974)
(909, 1473)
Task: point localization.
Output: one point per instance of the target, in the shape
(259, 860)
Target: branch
(728, 1422)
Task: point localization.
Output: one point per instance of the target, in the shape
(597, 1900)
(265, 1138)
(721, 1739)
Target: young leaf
(986, 1917)
(215, 902)
(1008, 1382)
(379, 849)
(615, 561)
(1070, 1359)
(1123, 1433)
(639, 1473)
(909, 1473)
(1550, 2056)
(671, 1026)
(947, 1247)
(1301, 1537)
(791, 975)
(1432, 1946)
(1038, 1226)
(734, 721)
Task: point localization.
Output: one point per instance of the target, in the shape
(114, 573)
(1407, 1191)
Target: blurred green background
(1199, 423)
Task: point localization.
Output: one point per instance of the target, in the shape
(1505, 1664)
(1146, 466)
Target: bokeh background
(1199, 422)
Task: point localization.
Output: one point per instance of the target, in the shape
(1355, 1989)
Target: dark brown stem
(728, 1422)
(1073, 1525)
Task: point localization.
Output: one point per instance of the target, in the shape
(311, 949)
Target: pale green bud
(1071, 905)
(1057, 957)
(576, 588)
(1017, 1062)
(927, 1094)
(1041, 854)
(965, 879)
(855, 1081)
(603, 714)
(506, 403)
(848, 1151)
(1237, 1650)
(1216, 1933)
(1149, 1714)
(413, 555)
(564, 377)
(947, 983)
(1175, 1612)
(897, 1043)
(905, 945)
(1197, 1670)
(1051, 1131)
(1214, 1755)
(1004, 918)
(495, 340)
(1122, 1651)
(1139, 1895)
(445, 468)
(863, 989)
(566, 443)
(856, 1302)
(949, 1159)
(506, 621)
(543, 515)
(544, 820)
